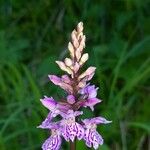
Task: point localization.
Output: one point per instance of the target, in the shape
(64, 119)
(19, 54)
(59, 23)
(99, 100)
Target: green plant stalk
(73, 145)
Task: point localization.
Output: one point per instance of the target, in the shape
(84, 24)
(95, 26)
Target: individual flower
(63, 82)
(88, 74)
(70, 127)
(92, 137)
(54, 106)
(90, 93)
(51, 104)
(54, 141)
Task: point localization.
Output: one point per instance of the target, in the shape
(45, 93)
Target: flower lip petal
(93, 138)
(52, 143)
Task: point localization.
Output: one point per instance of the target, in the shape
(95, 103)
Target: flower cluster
(79, 94)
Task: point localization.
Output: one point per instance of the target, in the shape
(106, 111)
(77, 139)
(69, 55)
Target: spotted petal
(93, 138)
(52, 143)
(72, 130)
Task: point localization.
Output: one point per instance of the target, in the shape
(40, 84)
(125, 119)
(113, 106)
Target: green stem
(73, 145)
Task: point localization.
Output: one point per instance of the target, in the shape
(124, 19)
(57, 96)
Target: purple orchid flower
(78, 94)
(54, 141)
(92, 137)
(51, 104)
(70, 127)
(54, 107)
(90, 93)
(62, 82)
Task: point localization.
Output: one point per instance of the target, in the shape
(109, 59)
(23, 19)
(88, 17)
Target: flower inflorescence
(79, 94)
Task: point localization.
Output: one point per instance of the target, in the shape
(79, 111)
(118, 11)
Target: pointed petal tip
(80, 22)
(50, 76)
(108, 122)
(57, 61)
(38, 126)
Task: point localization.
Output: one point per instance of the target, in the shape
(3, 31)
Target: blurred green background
(35, 33)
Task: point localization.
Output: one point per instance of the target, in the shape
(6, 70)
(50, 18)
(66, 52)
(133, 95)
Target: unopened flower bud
(66, 79)
(82, 43)
(76, 67)
(56, 80)
(80, 27)
(78, 54)
(88, 72)
(76, 43)
(73, 34)
(71, 49)
(84, 58)
(68, 62)
(64, 67)
(81, 84)
(80, 35)
(70, 99)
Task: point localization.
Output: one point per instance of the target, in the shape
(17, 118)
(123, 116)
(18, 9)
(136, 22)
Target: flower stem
(73, 145)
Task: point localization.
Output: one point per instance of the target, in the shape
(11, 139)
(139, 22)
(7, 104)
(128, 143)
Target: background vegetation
(33, 34)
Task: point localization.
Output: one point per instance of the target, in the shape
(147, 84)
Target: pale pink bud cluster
(76, 46)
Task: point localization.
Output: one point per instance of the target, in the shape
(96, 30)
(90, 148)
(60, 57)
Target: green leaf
(145, 126)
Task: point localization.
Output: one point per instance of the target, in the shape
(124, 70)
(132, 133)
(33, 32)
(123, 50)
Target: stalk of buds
(79, 94)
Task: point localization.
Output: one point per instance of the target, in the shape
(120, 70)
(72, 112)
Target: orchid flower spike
(80, 93)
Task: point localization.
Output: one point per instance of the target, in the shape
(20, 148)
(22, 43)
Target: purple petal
(66, 79)
(61, 82)
(65, 133)
(63, 107)
(80, 132)
(96, 120)
(92, 137)
(49, 103)
(66, 87)
(100, 120)
(56, 80)
(70, 99)
(45, 124)
(90, 91)
(91, 102)
(72, 130)
(52, 143)
(78, 113)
